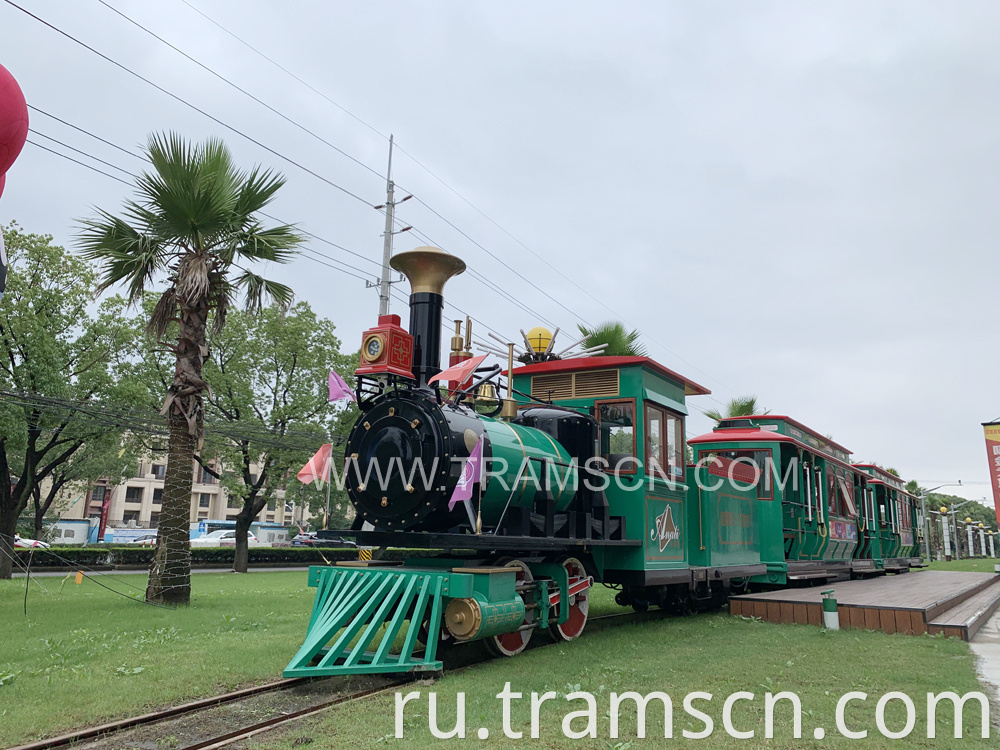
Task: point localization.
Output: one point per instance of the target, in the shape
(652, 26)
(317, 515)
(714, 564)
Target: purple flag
(472, 473)
(340, 390)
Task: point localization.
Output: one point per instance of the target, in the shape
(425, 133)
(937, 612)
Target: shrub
(132, 555)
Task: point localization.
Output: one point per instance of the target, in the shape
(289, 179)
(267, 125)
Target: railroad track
(73, 739)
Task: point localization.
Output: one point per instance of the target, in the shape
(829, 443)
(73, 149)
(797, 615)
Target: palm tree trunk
(170, 572)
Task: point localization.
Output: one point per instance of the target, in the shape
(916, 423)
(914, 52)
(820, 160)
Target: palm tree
(741, 406)
(620, 341)
(193, 223)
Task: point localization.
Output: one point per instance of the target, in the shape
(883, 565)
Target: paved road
(986, 645)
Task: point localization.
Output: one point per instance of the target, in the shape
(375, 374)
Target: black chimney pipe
(425, 327)
(428, 270)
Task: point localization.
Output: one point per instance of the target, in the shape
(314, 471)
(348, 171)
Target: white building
(136, 501)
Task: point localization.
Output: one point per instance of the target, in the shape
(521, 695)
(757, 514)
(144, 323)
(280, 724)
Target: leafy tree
(620, 341)
(193, 221)
(59, 364)
(741, 406)
(269, 406)
(106, 452)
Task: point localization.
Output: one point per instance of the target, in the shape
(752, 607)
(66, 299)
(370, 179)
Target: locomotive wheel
(511, 644)
(579, 605)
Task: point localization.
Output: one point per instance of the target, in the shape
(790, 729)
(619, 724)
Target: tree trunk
(39, 511)
(170, 572)
(241, 560)
(8, 523)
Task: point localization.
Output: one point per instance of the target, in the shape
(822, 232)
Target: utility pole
(390, 216)
(390, 213)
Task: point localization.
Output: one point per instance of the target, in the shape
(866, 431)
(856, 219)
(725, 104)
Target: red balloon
(13, 119)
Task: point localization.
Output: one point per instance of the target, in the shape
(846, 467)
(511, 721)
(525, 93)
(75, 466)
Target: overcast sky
(791, 199)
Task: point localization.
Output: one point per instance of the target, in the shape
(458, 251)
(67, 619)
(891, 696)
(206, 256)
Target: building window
(253, 479)
(68, 533)
(202, 515)
(130, 516)
(204, 500)
(157, 496)
(154, 520)
(205, 476)
(159, 471)
(664, 443)
(133, 494)
(234, 502)
(616, 420)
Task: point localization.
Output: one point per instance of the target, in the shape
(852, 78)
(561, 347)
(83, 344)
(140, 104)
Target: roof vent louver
(588, 384)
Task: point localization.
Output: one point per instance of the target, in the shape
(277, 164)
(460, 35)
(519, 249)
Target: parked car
(306, 539)
(146, 540)
(20, 541)
(309, 539)
(223, 538)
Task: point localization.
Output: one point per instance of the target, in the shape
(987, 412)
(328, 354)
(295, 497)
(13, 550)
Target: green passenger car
(699, 535)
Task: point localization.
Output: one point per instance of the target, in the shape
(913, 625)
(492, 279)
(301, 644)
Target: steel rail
(90, 733)
(102, 730)
(264, 726)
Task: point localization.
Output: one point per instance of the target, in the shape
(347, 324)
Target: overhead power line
(589, 293)
(188, 104)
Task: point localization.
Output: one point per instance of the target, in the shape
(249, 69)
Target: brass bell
(487, 393)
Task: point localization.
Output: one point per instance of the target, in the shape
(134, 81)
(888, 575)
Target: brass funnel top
(427, 268)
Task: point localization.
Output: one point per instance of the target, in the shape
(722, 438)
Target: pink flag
(318, 468)
(472, 473)
(460, 372)
(339, 389)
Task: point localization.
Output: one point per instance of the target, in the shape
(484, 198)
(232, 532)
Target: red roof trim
(603, 363)
(798, 424)
(756, 435)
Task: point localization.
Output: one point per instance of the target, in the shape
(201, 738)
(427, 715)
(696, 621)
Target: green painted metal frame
(352, 606)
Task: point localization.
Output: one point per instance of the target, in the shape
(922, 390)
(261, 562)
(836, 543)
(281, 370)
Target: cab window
(759, 461)
(616, 420)
(664, 443)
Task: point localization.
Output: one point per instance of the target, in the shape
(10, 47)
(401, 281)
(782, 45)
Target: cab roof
(578, 364)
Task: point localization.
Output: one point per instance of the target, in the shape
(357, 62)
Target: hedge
(132, 555)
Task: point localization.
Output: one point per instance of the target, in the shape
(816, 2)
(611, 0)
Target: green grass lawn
(975, 565)
(84, 655)
(714, 653)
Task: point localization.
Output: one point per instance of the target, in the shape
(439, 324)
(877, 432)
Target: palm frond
(620, 341)
(126, 254)
(257, 191)
(257, 290)
(740, 406)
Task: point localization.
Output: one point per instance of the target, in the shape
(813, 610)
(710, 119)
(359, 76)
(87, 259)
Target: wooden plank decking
(927, 601)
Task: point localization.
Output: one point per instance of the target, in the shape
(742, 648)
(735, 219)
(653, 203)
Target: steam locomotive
(582, 475)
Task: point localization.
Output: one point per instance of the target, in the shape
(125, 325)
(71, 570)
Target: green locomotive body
(580, 475)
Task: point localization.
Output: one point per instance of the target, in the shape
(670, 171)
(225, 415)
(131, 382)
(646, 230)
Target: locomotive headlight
(373, 348)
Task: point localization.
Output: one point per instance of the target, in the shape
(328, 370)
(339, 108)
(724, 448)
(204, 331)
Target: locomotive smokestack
(428, 270)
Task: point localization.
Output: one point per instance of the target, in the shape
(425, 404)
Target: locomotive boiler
(407, 451)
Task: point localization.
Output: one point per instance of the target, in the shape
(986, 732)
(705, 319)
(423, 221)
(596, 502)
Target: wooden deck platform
(930, 601)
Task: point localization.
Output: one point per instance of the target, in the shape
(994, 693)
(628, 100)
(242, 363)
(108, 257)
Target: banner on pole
(992, 430)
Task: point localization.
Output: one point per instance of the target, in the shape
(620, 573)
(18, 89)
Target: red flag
(318, 468)
(460, 372)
